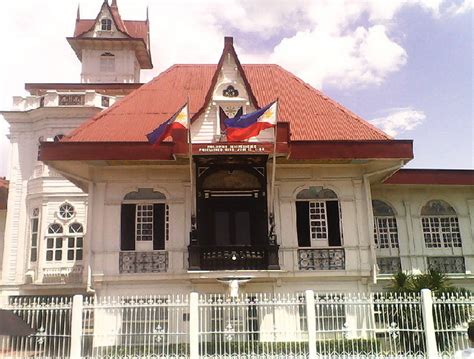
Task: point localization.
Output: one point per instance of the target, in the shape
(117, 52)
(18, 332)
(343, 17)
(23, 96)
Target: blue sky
(404, 65)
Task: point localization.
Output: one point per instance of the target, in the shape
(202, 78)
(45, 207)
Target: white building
(100, 210)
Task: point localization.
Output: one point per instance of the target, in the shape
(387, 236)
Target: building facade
(94, 208)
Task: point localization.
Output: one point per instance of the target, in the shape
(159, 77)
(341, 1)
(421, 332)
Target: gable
(117, 30)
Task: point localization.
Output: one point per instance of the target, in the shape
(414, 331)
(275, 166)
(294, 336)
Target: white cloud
(399, 120)
(361, 57)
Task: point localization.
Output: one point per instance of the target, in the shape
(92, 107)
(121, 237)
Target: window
(440, 225)
(75, 242)
(106, 24)
(66, 211)
(34, 235)
(318, 217)
(60, 245)
(385, 225)
(54, 243)
(107, 62)
(144, 221)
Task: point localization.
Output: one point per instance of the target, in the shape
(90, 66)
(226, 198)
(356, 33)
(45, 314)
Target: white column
(311, 320)
(194, 325)
(76, 327)
(428, 324)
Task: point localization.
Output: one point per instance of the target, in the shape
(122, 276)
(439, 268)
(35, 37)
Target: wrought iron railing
(143, 262)
(234, 257)
(321, 259)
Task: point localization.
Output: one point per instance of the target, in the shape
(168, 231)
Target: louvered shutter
(302, 223)
(334, 230)
(127, 224)
(159, 226)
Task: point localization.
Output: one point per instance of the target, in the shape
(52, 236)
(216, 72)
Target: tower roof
(134, 32)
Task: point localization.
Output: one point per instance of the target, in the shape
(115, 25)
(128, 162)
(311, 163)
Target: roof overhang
(351, 150)
(412, 176)
(138, 45)
(139, 151)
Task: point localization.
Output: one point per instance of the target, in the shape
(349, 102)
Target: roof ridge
(116, 105)
(336, 104)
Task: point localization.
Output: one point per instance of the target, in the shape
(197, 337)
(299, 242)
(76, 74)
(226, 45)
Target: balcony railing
(389, 265)
(143, 262)
(233, 257)
(62, 275)
(447, 264)
(52, 98)
(321, 259)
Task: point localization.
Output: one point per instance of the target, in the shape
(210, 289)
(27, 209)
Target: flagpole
(272, 188)
(191, 176)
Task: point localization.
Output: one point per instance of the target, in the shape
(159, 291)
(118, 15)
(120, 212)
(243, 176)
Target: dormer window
(107, 62)
(106, 25)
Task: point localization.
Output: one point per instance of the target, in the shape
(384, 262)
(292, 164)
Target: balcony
(233, 257)
(62, 275)
(53, 98)
(312, 259)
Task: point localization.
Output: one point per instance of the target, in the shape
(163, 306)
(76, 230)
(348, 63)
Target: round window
(66, 211)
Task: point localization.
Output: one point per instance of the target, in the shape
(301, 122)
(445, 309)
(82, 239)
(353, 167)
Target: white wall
(407, 202)
(125, 67)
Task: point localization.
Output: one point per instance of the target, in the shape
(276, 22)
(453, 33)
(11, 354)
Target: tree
(446, 315)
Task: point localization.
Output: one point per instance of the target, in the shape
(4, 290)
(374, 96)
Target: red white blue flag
(178, 120)
(251, 124)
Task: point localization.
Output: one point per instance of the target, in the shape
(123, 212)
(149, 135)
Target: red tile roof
(416, 176)
(312, 116)
(3, 193)
(133, 29)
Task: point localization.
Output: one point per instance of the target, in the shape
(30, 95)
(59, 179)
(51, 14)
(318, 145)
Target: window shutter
(334, 229)
(127, 224)
(159, 226)
(302, 223)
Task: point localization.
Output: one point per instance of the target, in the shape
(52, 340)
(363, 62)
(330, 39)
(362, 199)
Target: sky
(403, 65)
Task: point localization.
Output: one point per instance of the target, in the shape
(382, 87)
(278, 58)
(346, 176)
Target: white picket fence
(260, 325)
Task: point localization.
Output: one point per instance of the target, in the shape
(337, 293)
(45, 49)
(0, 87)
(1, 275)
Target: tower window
(107, 62)
(106, 25)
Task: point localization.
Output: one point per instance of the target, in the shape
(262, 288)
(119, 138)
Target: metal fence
(258, 325)
(50, 317)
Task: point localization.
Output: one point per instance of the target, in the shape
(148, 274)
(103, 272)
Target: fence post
(194, 326)
(76, 327)
(311, 321)
(428, 324)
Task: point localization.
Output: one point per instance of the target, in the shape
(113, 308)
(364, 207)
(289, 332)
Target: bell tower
(110, 49)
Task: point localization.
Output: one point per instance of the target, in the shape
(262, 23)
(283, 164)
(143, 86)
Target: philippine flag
(251, 124)
(178, 120)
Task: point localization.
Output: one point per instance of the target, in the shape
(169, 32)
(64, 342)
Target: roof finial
(147, 13)
(114, 3)
(78, 17)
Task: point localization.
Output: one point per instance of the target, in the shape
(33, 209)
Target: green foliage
(446, 316)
